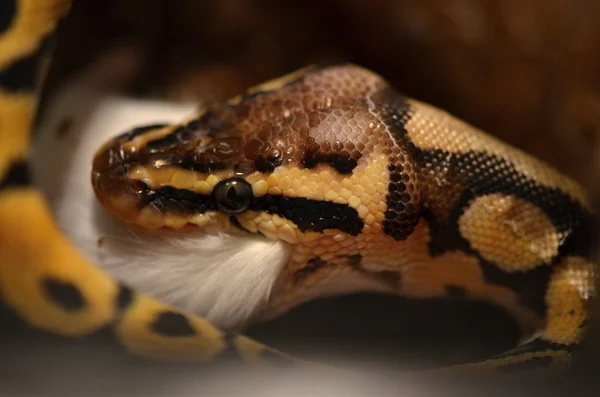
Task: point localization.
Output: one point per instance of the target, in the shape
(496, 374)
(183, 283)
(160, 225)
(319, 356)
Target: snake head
(319, 151)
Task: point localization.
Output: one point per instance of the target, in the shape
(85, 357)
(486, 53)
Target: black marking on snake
(8, 11)
(22, 74)
(167, 151)
(311, 214)
(314, 264)
(268, 163)
(530, 364)
(170, 199)
(125, 297)
(307, 214)
(172, 324)
(402, 215)
(354, 259)
(137, 131)
(531, 285)
(195, 123)
(342, 164)
(180, 135)
(193, 163)
(393, 110)
(18, 175)
(236, 222)
(64, 294)
(583, 239)
(455, 291)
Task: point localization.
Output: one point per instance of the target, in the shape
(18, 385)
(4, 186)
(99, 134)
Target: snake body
(369, 189)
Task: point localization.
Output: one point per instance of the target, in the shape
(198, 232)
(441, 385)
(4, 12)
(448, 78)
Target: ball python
(365, 188)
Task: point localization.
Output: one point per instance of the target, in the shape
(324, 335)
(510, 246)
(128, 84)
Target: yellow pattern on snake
(359, 180)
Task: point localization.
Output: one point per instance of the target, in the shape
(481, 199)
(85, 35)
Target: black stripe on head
(18, 175)
(170, 199)
(308, 215)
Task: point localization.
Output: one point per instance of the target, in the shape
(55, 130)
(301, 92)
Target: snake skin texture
(363, 183)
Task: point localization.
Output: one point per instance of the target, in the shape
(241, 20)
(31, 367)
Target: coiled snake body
(370, 190)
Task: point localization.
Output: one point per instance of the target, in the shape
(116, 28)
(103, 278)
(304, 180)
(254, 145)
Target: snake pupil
(233, 195)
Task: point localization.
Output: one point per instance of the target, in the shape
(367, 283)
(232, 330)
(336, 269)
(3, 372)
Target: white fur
(223, 277)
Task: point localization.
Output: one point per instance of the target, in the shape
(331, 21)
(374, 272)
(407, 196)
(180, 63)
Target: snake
(364, 189)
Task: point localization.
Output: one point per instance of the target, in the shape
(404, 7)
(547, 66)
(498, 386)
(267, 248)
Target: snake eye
(233, 195)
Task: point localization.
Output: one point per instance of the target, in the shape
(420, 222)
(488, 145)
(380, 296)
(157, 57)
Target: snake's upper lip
(110, 183)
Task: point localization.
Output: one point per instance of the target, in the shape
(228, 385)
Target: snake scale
(368, 189)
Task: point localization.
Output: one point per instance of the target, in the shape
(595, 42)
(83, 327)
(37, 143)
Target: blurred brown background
(524, 70)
